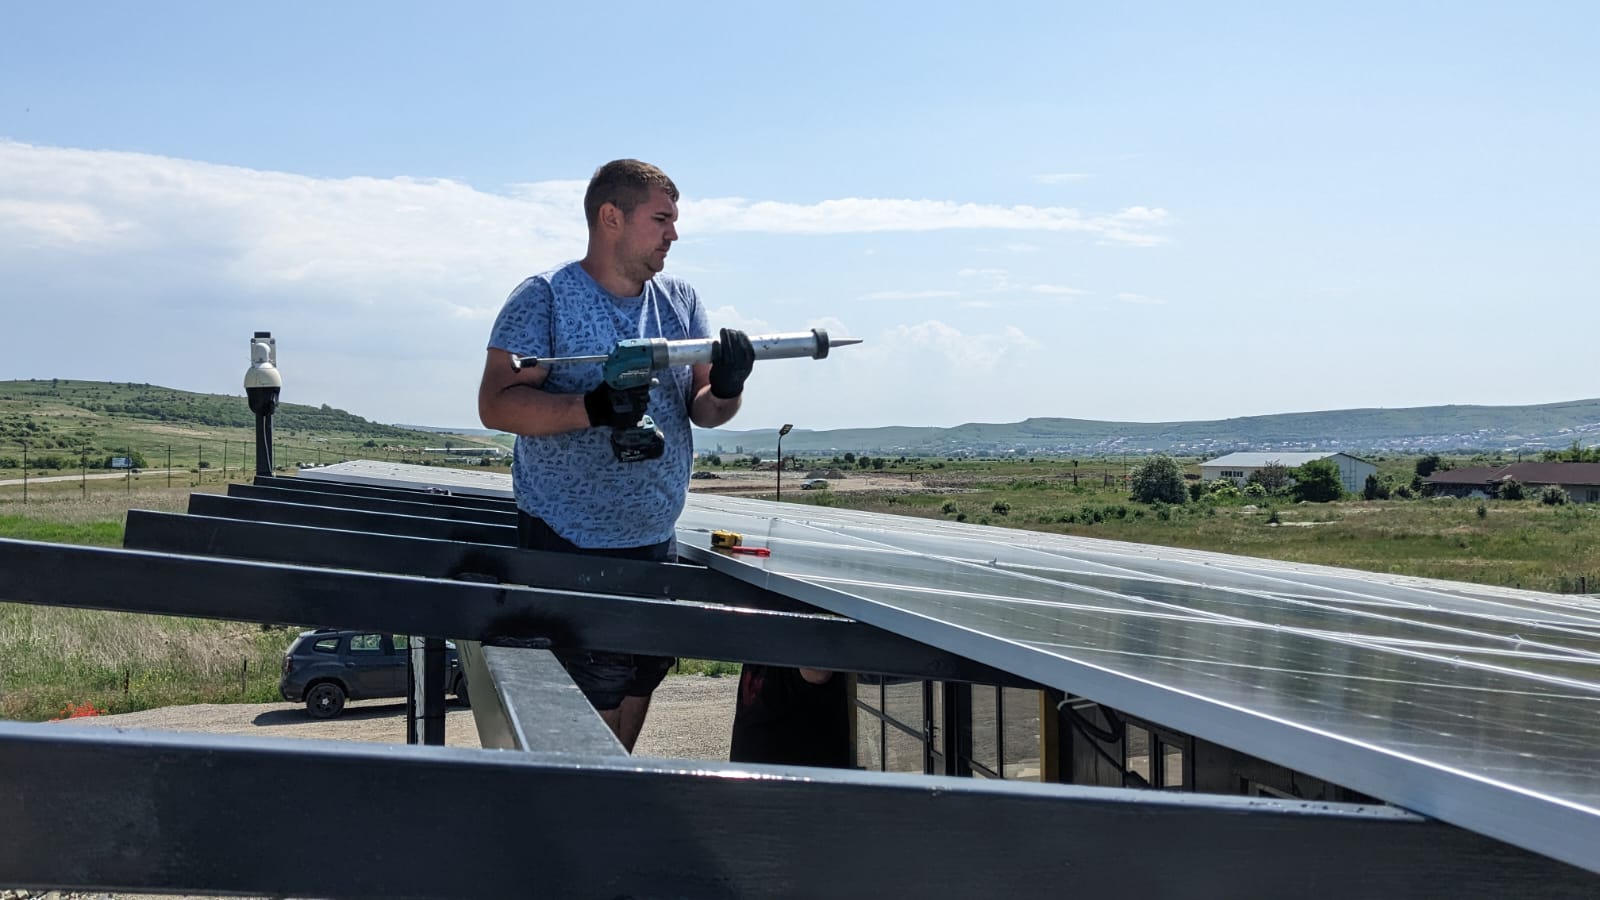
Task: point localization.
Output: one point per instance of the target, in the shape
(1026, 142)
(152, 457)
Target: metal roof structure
(1526, 472)
(1256, 459)
(1470, 711)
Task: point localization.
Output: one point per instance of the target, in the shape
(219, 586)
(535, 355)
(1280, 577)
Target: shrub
(1272, 517)
(949, 508)
(1223, 489)
(1318, 481)
(1510, 489)
(1158, 478)
(1483, 511)
(1553, 495)
(1001, 508)
(1254, 491)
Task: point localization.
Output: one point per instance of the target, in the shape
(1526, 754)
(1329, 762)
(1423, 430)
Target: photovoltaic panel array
(1476, 705)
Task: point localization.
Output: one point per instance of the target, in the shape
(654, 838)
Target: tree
(1375, 488)
(1428, 465)
(1158, 479)
(1274, 477)
(1318, 481)
(1510, 489)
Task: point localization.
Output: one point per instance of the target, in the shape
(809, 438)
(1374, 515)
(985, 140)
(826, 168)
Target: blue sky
(1136, 212)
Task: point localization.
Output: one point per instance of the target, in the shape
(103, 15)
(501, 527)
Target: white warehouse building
(1237, 467)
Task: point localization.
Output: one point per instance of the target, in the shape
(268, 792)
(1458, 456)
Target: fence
(27, 466)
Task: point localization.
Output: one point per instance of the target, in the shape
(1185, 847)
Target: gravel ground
(690, 718)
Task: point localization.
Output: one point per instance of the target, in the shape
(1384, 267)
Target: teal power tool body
(634, 363)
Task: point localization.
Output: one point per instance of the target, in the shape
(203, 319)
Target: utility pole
(781, 432)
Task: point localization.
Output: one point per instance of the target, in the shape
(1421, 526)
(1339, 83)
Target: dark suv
(326, 667)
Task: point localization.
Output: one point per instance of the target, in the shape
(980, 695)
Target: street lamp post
(781, 432)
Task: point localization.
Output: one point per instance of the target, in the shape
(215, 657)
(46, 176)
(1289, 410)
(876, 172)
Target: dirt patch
(766, 482)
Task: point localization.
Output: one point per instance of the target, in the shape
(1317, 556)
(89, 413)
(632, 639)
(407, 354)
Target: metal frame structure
(553, 806)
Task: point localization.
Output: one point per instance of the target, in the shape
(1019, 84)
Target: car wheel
(461, 691)
(325, 701)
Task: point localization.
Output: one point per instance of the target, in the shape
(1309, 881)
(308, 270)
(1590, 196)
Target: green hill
(1428, 428)
(59, 418)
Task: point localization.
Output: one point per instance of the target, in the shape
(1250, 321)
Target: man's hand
(611, 408)
(734, 360)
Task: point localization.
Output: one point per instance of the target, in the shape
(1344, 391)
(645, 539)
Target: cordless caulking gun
(634, 363)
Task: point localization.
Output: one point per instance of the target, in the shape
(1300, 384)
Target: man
(793, 717)
(573, 495)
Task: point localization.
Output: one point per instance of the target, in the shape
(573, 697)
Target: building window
(1593, 495)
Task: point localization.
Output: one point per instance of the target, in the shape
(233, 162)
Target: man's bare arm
(514, 401)
(709, 410)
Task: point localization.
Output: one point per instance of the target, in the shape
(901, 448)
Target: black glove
(611, 408)
(733, 358)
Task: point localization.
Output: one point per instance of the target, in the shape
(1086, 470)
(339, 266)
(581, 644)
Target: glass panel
(936, 714)
(366, 643)
(403, 642)
(869, 729)
(985, 726)
(902, 701)
(1171, 766)
(1021, 708)
(1137, 752)
(902, 751)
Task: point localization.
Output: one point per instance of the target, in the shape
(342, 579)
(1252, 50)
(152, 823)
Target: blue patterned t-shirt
(572, 481)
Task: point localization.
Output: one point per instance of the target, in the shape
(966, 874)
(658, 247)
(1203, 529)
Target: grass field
(51, 657)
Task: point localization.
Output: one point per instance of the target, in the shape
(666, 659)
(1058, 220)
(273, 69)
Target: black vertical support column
(425, 708)
(957, 729)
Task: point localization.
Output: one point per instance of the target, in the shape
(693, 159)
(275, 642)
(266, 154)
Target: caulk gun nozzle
(842, 342)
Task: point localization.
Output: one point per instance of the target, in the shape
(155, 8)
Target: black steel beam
(374, 504)
(408, 494)
(431, 558)
(352, 520)
(153, 812)
(137, 581)
(529, 702)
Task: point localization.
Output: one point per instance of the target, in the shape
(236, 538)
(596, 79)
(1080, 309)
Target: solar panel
(1476, 705)
(1479, 706)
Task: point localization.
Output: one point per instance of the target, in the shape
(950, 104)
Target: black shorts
(604, 677)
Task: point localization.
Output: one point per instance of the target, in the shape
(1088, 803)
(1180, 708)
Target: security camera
(262, 382)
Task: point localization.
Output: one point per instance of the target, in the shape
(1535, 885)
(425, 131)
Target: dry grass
(120, 662)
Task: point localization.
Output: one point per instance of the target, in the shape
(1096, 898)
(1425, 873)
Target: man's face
(647, 235)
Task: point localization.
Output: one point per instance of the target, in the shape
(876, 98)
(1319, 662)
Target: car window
(402, 642)
(326, 645)
(366, 643)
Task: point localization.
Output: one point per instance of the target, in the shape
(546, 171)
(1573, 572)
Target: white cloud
(971, 353)
(909, 295)
(380, 290)
(858, 215)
